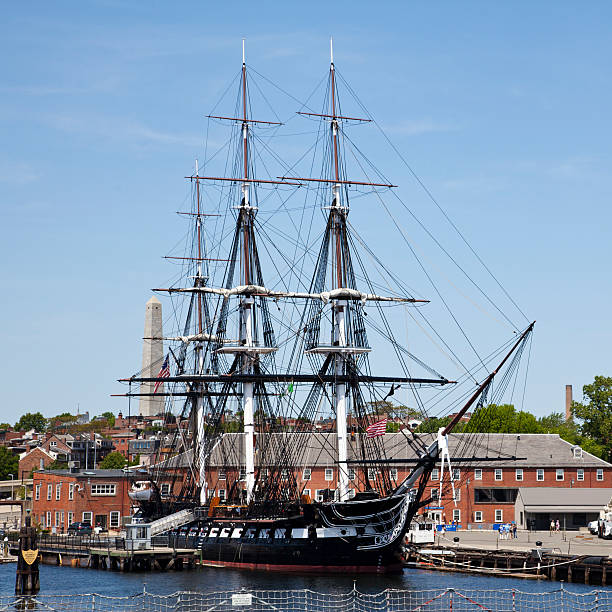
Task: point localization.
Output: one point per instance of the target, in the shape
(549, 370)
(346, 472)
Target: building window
(498, 474)
(49, 492)
(457, 495)
(393, 474)
(114, 519)
(42, 464)
(435, 494)
(284, 474)
(58, 492)
(456, 515)
(37, 492)
(71, 491)
(48, 521)
(351, 493)
(329, 474)
(519, 474)
(222, 475)
(62, 518)
(242, 475)
(57, 518)
(306, 492)
(456, 473)
(371, 474)
(70, 518)
(165, 489)
(577, 452)
(103, 489)
(599, 475)
(319, 495)
(540, 475)
(435, 474)
(478, 516)
(559, 474)
(499, 516)
(580, 475)
(87, 516)
(351, 473)
(478, 474)
(307, 474)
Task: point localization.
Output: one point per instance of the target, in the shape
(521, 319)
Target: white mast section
(247, 305)
(199, 348)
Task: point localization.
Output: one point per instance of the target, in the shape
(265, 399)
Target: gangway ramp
(172, 521)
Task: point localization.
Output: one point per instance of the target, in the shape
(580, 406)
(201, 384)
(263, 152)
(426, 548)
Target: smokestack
(568, 402)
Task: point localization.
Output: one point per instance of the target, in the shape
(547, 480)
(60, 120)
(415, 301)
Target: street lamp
(12, 483)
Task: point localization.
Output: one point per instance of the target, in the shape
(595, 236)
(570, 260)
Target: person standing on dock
(552, 526)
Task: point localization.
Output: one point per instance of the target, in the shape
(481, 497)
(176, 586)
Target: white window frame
(221, 475)
(284, 474)
(57, 517)
(88, 517)
(435, 494)
(307, 474)
(478, 516)
(49, 492)
(242, 473)
(559, 474)
(599, 474)
(319, 495)
(499, 474)
(540, 475)
(457, 495)
(518, 474)
(478, 474)
(577, 452)
(48, 519)
(329, 474)
(351, 473)
(70, 517)
(456, 515)
(456, 474)
(58, 492)
(435, 474)
(71, 491)
(499, 515)
(372, 473)
(114, 524)
(393, 474)
(164, 489)
(103, 489)
(37, 491)
(579, 474)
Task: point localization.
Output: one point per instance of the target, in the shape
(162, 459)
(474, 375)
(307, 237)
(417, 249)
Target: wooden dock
(537, 564)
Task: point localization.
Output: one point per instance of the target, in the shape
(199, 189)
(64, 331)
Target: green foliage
(4, 426)
(57, 465)
(110, 418)
(31, 420)
(596, 413)
(9, 463)
(432, 425)
(392, 427)
(135, 461)
(113, 461)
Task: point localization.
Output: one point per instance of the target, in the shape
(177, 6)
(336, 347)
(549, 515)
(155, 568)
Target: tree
(4, 426)
(596, 412)
(9, 463)
(31, 420)
(113, 461)
(110, 418)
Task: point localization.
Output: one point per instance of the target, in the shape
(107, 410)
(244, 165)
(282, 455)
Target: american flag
(163, 373)
(377, 429)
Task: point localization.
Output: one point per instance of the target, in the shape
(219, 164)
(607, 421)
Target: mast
(199, 354)
(338, 306)
(247, 305)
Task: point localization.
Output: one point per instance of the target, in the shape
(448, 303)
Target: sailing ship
(257, 361)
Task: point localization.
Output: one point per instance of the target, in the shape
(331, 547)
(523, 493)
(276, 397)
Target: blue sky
(503, 110)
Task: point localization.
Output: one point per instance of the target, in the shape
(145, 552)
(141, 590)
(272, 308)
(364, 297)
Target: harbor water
(67, 580)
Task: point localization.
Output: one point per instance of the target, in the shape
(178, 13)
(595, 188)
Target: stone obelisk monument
(152, 358)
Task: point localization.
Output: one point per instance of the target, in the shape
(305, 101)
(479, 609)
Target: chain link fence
(390, 600)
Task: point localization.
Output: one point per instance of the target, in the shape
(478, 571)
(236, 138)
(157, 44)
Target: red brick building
(61, 497)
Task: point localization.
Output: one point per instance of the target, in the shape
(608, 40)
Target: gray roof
(88, 473)
(579, 499)
(320, 449)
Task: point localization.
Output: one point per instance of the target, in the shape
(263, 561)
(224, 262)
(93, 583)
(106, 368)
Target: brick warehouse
(61, 497)
(486, 492)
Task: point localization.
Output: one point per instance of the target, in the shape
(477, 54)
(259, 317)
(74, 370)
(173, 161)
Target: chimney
(568, 402)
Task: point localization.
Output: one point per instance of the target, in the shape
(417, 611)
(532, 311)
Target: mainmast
(339, 339)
